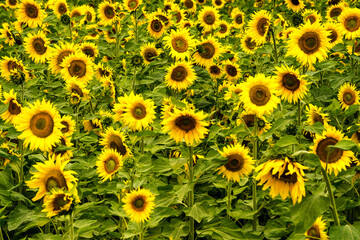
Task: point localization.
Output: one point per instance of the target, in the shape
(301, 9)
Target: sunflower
(6, 149)
(119, 108)
(139, 204)
(311, 15)
(309, 43)
(189, 5)
(77, 65)
(180, 76)
(20, 26)
(233, 90)
(68, 125)
(178, 14)
(73, 85)
(115, 139)
(348, 95)
(106, 13)
(132, 5)
(258, 26)
(103, 72)
(149, 52)
(295, 5)
(12, 3)
(14, 108)
(249, 120)
(224, 29)
(218, 3)
(31, 13)
(64, 154)
(139, 113)
(7, 35)
(89, 49)
(314, 114)
(40, 124)
(186, 124)
(317, 230)
(350, 22)
(284, 177)
(334, 11)
(58, 201)
(37, 46)
(209, 18)
(187, 24)
(215, 71)
(164, 17)
(335, 37)
(332, 159)
(155, 27)
(291, 85)
(239, 164)
(209, 50)
(60, 8)
(238, 18)
(259, 95)
(93, 125)
(51, 175)
(248, 45)
(108, 163)
(180, 44)
(58, 54)
(232, 71)
(90, 13)
(10, 64)
(110, 35)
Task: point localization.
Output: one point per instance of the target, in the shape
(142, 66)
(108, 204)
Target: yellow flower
(224, 29)
(334, 11)
(350, 22)
(248, 45)
(314, 115)
(258, 26)
(68, 125)
(132, 5)
(139, 204)
(6, 33)
(37, 46)
(155, 27)
(115, 139)
(180, 76)
(248, 119)
(232, 71)
(58, 54)
(317, 230)
(238, 18)
(311, 15)
(14, 108)
(31, 13)
(108, 163)
(149, 52)
(77, 65)
(60, 8)
(348, 95)
(215, 71)
(210, 49)
(89, 49)
(64, 142)
(106, 13)
(295, 5)
(208, 18)
(58, 201)
(180, 44)
(189, 5)
(335, 37)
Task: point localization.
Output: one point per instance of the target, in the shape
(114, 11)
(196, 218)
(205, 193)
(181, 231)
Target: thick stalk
(134, 81)
(136, 27)
(191, 192)
(255, 150)
(21, 146)
(274, 40)
(331, 197)
(141, 235)
(77, 124)
(70, 30)
(142, 145)
(1, 235)
(228, 202)
(299, 120)
(352, 61)
(71, 227)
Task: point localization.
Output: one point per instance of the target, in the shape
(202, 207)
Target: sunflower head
(317, 230)
(114, 139)
(109, 162)
(58, 201)
(350, 22)
(139, 204)
(180, 76)
(259, 26)
(348, 95)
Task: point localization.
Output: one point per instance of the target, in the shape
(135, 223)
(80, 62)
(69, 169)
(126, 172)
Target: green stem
(299, 119)
(352, 61)
(191, 192)
(71, 226)
(331, 197)
(1, 235)
(134, 81)
(77, 124)
(141, 235)
(274, 1)
(255, 150)
(228, 203)
(136, 27)
(70, 30)
(47, 227)
(21, 146)
(142, 145)
(274, 40)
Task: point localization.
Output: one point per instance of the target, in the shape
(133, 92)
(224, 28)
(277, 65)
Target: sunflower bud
(136, 60)
(65, 19)
(17, 77)
(297, 19)
(129, 163)
(291, 129)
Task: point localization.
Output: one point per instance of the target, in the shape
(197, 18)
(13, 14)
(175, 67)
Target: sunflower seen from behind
(258, 95)
(40, 124)
(139, 204)
(14, 108)
(333, 159)
(239, 164)
(180, 76)
(283, 177)
(258, 26)
(51, 175)
(180, 43)
(115, 139)
(77, 65)
(37, 46)
(56, 202)
(108, 163)
(317, 230)
(350, 23)
(348, 95)
(31, 13)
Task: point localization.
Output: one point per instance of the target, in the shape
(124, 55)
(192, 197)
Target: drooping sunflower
(180, 44)
(239, 164)
(334, 11)
(77, 65)
(292, 86)
(335, 37)
(209, 50)
(348, 95)
(139, 204)
(309, 43)
(132, 5)
(149, 52)
(40, 124)
(317, 230)
(138, 113)
(7, 35)
(232, 71)
(249, 120)
(37, 46)
(186, 124)
(108, 163)
(233, 90)
(180, 76)
(89, 49)
(189, 5)
(58, 201)
(314, 114)
(73, 85)
(10, 64)
(215, 71)
(14, 108)
(68, 125)
(106, 13)
(155, 27)
(58, 54)
(64, 154)
(284, 177)
(248, 45)
(31, 13)
(51, 175)
(259, 95)
(60, 8)
(115, 139)
(312, 16)
(238, 18)
(350, 22)
(336, 159)
(90, 13)
(295, 5)
(258, 26)
(178, 14)
(209, 18)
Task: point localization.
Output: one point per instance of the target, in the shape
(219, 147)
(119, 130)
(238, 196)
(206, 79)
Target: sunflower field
(179, 119)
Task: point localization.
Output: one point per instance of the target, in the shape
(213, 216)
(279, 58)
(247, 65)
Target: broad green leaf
(199, 211)
(18, 216)
(347, 232)
(285, 141)
(275, 228)
(346, 145)
(316, 128)
(48, 236)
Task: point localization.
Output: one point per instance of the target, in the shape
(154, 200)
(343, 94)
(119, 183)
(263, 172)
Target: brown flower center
(55, 180)
(89, 16)
(223, 28)
(117, 144)
(335, 12)
(333, 36)
(31, 10)
(324, 151)
(357, 47)
(290, 82)
(259, 95)
(209, 51)
(109, 12)
(76, 89)
(42, 125)
(209, 18)
(285, 177)
(139, 111)
(63, 55)
(215, 70)
(39, 46)
(179, 74)
(250, 43)
(188, 4)
(295, 2)
(313, 232)
(156, 25)
(66, 128)
(249, 120)
(14, 108)
(13, 65)
(150, 54)
(110, 165)
(77, 68)
(12, 2)
(239, 19)
(139, 204)
(349, 98)
(311, 18)
(185, 123)
(317, 118)
(309, 42)
(62, 8)
(75, 14)
(103, 72)
(133, 4)
(59, 202)
(261, 26)
(352, 23)
(218, 2)
(89, 51)
(231, 70)
(235, 163)
(178, 17)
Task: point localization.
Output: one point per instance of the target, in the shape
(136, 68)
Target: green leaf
(18, 216)
(348, 232)
(184, 190)
(316, 128)
(275, 228)
(285, 141)
(42, 236)
(199, 211)
(346, 145)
